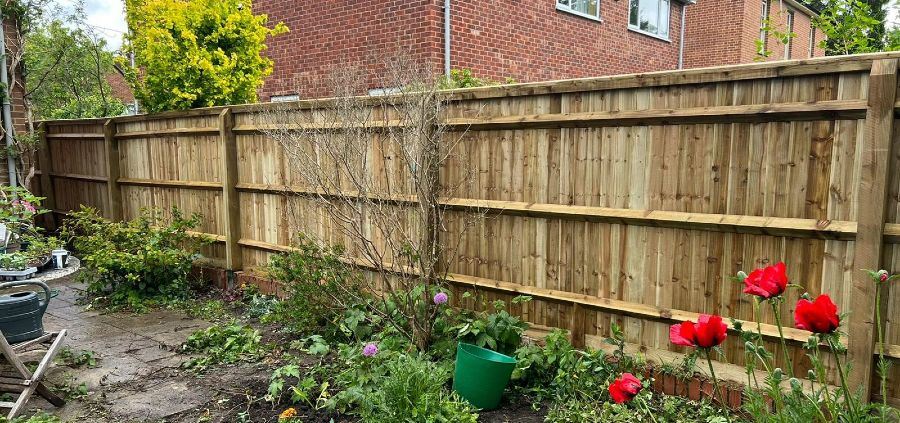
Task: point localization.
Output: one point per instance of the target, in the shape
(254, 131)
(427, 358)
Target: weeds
(223, 344)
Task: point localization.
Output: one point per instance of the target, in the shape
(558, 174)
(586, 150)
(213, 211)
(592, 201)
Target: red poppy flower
(767, 282)
(708, 332)
(625, 388)
(819, 316)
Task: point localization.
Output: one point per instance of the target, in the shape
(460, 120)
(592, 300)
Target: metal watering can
(22, 313)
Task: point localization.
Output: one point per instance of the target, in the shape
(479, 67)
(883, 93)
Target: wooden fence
(626, 199)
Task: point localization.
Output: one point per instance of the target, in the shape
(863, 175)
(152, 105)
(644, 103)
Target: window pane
(587, 7)
(664, 18)
(633, 19)
(591, 7)
(649, 15)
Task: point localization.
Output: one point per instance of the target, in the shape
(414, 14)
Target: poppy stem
(881, 373)
(820, 375)
(784, 350)
(848, 398)
(715, 381)
(647, 409)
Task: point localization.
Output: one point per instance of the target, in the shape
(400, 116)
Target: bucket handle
(42, 303)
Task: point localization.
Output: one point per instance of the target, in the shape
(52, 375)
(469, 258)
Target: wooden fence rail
(626, 199)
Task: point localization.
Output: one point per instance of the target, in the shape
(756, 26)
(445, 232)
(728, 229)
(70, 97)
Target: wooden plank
(872, 187)
(820, 110)
(78, 177)
(230, 195)
(168, 132)
(775, 226)
(113, 170)
(70, 136)
(169, 183)
(892, 351)
(608, 305)
(45, 163)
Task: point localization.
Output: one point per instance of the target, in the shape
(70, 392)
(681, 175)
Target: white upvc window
(283, 98)
(586, 8)
(650, 17)
(790, 30)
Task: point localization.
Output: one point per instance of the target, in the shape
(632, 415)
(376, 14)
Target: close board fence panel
(629, 200)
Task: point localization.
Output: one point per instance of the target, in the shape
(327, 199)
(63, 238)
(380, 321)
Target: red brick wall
(325, 35)
(17, 99)
(529, 40)
(526, 40)
(120, 88)
(720, 32)
(713, 33)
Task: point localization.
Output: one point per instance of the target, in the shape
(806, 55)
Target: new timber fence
(625, 199)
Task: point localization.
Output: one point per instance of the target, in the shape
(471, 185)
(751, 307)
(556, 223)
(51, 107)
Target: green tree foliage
(875, 33)
(66, 73)
(851, 26)
(197, 53)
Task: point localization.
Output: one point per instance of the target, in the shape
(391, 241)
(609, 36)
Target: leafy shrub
(414, 391)
(659, 408)
(40, 417)
(322, 290)
(498, 331)
(135, 263)
(223, 344)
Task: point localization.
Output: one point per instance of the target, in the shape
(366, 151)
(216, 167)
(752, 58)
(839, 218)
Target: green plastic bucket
(481, 375)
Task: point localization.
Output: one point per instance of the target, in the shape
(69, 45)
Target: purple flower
(370, 350)
(440, 298)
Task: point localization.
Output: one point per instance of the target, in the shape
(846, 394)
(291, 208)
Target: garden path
(136, 376)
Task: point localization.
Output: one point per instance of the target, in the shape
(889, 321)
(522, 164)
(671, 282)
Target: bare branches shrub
(370, 168)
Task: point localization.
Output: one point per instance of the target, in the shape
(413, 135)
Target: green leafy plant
(414, 391)
(77, 358)
(301, 391)
(197, 53)
(323, 294)
(40, 417)
(136, 263)
(849, 27)
(223, 344)
(498, 330)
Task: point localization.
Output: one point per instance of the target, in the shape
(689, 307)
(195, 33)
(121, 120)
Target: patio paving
(137, 377)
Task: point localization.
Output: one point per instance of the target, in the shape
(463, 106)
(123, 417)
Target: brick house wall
(717, 34)
(526, 40)
(531, 40)
(121, 90)
(17, 97)
(325, 35)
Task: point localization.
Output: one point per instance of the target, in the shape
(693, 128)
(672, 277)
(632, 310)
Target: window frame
(284, 98)
(569, 9)
(790, 29)
(637, 28)
(812, 41)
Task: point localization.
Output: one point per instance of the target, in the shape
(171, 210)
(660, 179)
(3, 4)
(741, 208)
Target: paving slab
(137, 377)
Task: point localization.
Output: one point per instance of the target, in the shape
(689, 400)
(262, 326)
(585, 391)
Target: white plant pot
(17, 275)
(60, 257)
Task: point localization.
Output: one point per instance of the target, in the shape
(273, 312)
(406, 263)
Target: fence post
(45, 164)
(872, 191)
(230, 201)
(113, 170)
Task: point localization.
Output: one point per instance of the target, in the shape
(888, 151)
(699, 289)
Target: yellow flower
(287, 415)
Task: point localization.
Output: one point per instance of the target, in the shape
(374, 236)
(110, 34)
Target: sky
(107, 17)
